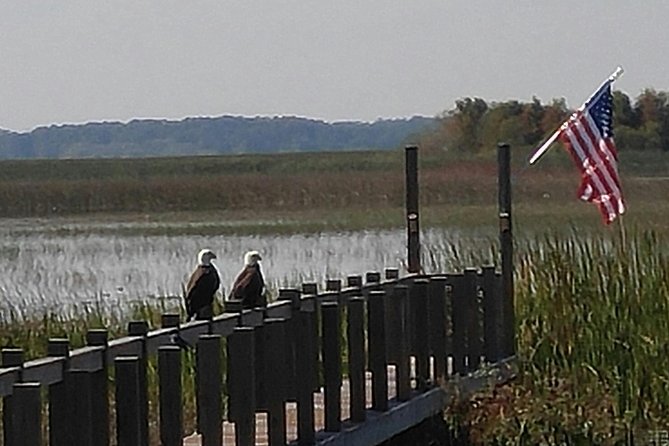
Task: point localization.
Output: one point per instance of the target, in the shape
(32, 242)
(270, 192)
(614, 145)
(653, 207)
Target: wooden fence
(444, 324)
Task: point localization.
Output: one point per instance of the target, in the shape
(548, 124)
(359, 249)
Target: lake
(54, 265)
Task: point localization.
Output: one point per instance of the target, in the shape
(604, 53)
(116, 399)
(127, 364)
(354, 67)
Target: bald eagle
(249, 284)
(201, 287)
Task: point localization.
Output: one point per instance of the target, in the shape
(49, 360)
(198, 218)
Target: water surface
(51, 265)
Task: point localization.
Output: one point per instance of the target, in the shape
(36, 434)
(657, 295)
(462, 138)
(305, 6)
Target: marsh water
(59, 265)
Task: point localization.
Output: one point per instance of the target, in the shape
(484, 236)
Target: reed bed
(31, 332)
(297, 193)
(593, 342)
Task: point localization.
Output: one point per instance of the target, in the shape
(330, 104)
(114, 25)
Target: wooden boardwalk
(291, 414)
(464, 386)
(456, 320)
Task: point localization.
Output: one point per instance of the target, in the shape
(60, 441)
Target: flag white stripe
(604, 158)
(612, 160)
(587, 169)
(609, 165)
(593, 152)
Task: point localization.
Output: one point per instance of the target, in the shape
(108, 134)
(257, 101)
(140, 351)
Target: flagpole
(544, 147)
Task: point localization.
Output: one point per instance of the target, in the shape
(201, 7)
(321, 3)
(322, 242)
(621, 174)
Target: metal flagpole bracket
(546, 145)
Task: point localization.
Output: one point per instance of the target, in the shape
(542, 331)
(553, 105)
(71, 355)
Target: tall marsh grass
(593, 341)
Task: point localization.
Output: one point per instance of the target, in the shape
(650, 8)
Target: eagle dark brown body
(249, 285)
(201, 288)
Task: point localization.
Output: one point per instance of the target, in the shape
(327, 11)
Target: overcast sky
(73, 61)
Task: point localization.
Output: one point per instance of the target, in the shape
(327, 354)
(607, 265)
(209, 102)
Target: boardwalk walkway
(291, 414)
(500, 373)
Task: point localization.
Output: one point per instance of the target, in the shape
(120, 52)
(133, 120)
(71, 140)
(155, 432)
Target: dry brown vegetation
(452, 190)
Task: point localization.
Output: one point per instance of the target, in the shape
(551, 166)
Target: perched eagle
(201, 287)
(249, 284)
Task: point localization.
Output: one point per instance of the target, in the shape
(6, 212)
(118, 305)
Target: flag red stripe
(599, 176)
(589, 164)
(600, 163)
(601, 148)
(587, 136)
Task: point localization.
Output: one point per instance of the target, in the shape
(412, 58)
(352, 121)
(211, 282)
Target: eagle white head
(251, 258)
(205, 257)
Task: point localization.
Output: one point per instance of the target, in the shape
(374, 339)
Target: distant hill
(207, 136)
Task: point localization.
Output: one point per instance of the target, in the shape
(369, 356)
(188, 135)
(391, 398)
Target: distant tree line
(208, 136)
(472, 126)
(475, 126)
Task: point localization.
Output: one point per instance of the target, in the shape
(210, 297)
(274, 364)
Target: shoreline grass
(593, 342)
(289, 183)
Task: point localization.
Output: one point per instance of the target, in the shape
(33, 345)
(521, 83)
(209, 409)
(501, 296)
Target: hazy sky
(71, 61)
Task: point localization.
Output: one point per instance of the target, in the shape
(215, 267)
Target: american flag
(588, 136)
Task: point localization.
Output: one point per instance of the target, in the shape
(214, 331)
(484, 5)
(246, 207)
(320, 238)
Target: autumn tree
(463, 123)
(474, 126)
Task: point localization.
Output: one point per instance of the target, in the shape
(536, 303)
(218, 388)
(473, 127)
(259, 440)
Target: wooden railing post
(333, 285)
(373, 277)
(355, 329)
(61, 411)
(393, 329)
(170, 320)
(305, 365)
(241, 385)
(391, 276)
(410, 319)
(26, 421)
(458, 322)
(474, 320)
(141, 328)
(293, 296)
(311, 289)
(171, 401)
(233, 306)
(276, 371)
(209, 381)
(419, 306)
(506, 246)
(492, 310)
(331, 352)
(128, 411)
(259, 364)
(377, 349)
(354, 281)
(392, 273)
(82, 393)
(413, 226)
(437, 326)
(11, 357)
(399, 300)
(100, 389)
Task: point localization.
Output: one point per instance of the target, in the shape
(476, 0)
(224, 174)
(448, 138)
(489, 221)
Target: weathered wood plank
(8, 376)
(382, 426)
(88, 358)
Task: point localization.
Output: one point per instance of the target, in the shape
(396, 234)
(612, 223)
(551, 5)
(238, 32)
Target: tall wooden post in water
(506, 245)
(411, 181)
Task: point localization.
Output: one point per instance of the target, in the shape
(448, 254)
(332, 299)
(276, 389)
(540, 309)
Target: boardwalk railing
(428, 328)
